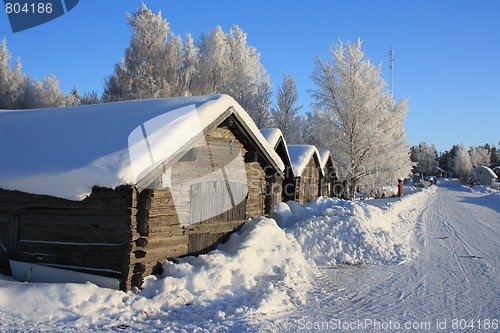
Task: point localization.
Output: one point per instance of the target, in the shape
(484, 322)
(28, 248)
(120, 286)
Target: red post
(400, 188)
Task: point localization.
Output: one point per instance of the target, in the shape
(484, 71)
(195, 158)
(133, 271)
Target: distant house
(330, 185)
(496, 170)
(114, 189)
(441, 173)
(307, 173)
(482, 175)
(275, 138)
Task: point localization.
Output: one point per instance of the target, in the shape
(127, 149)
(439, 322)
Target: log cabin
(115, 189)
(307, 173)
(330, 185)
(276, 140)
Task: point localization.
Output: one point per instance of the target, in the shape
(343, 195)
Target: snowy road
(453, 285)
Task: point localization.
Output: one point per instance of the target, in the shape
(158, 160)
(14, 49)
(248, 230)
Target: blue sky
(447, 53)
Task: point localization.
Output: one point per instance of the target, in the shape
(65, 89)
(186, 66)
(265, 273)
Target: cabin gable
(201, 199)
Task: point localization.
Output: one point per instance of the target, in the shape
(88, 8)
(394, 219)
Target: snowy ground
(454, 280)
(423, 263)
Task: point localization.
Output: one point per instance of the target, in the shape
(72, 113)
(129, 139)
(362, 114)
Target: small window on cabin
(190, 156)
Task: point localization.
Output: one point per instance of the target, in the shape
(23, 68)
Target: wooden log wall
(309, 183)
(333, 187)
(274, 191)
(91, 236)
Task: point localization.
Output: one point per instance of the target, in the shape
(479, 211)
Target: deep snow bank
(259, 269)
(333, 231)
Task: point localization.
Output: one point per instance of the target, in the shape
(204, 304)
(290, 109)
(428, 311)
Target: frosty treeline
(357, 119)
(159, 64)
(457, 162)
(285, 114)
(425, 157)
(19, 91)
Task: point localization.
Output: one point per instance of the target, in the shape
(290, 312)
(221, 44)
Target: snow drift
(260, 266)
(333, 231)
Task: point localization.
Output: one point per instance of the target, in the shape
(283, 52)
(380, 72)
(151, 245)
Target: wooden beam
(212, 228)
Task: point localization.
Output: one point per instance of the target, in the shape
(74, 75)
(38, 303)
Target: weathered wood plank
(163, 220)
(160, 241)
(71, 234)
(203, 243)
(161, 253)
(165, 230)
(214, 228)
(87, 256)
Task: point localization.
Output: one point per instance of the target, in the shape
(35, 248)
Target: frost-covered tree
(142, 73)
(426, 157)
(45, 93)
(189, 65)
(392, 156)
(18, 91)
(495, 156)
(228, 65)
(361, 124)
(315, 128)
(73, 98)
(446, 160)
(13, 83)
(462, 163)
(173, 64)
(285, 115)
(480, 156)
(213, 57)
(90, 98)
(247, 81)
(158, 64)
(261, 102)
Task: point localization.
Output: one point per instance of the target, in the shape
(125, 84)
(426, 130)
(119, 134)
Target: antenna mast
(391, 67)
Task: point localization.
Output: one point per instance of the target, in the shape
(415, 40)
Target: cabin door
(218, 201)
(8, 239)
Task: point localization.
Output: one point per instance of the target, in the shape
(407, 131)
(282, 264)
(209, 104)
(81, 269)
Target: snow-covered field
(431, 258)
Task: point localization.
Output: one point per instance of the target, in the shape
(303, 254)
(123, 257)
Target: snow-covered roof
(272, 135)
(324, 155)
(300, 156)
(64, 152)
(484, 171)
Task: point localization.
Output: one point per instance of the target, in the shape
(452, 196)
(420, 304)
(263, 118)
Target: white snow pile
(259, 270)
(482, 190)
(333, 231)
